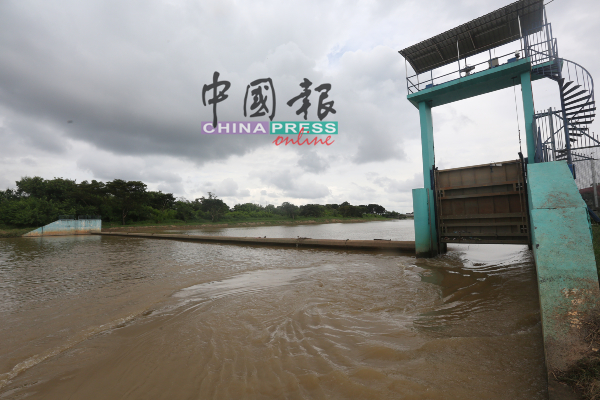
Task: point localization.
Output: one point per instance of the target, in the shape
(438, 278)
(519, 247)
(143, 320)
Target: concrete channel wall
(565, 262)
(391, 245)
(65, 227)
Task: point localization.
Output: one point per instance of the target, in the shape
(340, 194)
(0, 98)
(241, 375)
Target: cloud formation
(110, 89)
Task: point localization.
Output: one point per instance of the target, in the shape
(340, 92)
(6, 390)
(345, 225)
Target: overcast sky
(129, 77)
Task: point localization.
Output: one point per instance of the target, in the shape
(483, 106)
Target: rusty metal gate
(482, 204)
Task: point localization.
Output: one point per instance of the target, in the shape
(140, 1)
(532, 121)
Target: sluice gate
(497, 202)
(482, 204)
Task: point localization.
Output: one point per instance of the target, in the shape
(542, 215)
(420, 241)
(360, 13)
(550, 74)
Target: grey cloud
(28, 161)
(398, 186)
(171, 187)
(130, 78)
(310, 161)
(301, 188)
(226, 188)
(105, 167)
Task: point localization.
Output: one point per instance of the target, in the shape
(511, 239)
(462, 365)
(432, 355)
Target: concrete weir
(391, 245)
(64, 227)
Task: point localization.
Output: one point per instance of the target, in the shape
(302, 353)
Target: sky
(113, 90)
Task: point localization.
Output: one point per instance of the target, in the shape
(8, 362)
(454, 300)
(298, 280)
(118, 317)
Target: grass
(6, 232)
(584, 377)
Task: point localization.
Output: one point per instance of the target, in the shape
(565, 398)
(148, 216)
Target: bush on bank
(36, 202)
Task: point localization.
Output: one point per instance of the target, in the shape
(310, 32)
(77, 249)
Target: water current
(91, 317)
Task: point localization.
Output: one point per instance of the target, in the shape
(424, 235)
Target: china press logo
(260, 101)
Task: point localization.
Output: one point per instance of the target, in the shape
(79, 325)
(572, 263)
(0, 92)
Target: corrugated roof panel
(487, 32)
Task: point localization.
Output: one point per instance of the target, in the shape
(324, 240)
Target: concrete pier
(391, 245)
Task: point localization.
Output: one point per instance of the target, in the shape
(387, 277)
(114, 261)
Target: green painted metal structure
(498, 78)
(493, 79)
(558, 221)
(560, 229)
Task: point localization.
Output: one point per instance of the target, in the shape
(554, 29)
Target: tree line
(37, 201)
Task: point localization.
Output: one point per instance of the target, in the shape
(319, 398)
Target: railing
(575, 144)
(420, 82)
(551, 141)
(539, 46)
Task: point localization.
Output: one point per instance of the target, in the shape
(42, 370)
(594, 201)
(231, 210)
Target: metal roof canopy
(492, 30)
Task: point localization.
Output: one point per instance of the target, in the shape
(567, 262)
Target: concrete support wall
(528, 112)
(68, 227)
(565, 263)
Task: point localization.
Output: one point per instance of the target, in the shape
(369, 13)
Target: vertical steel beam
(551, 125)
(427, 148)
(528, 112)
(422, 221)
(423, 199)
(594, 183)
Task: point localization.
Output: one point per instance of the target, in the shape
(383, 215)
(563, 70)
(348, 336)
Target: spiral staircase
(578, 107)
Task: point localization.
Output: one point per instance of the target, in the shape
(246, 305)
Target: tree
(90, 195)
(348, 210)
(34, 187)
(161, 201)
(375, 209)
(127, 196)
(247, 207)
(290, 210)
(213, 206)
(185, 209)
(312, 210)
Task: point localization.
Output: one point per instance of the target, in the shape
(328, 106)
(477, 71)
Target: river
(91, 317)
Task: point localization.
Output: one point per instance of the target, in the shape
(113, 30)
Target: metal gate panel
(482, 204)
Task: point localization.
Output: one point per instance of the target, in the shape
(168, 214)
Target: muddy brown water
(92, 317)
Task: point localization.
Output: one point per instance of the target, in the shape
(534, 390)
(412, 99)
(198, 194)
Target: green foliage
(290, 210)
(348, 210)
(160, 216)
(127, 196)
(37, 202)
(584, 377)
(312, 210)
(213, 206)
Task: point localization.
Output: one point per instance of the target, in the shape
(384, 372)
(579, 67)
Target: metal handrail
(417, 87)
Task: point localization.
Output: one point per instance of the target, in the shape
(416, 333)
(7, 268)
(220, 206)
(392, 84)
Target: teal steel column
(426, 142)
(423, 199)
(528, 112)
